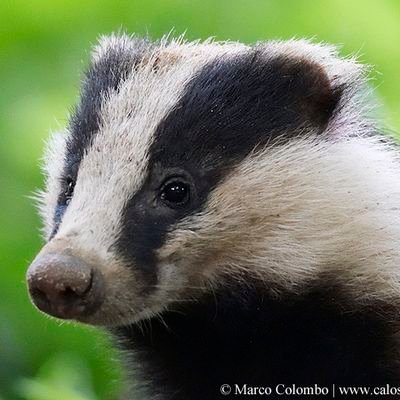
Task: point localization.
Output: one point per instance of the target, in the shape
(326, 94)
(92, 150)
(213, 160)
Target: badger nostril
(64, 286)
(40, 296)
(68, 294)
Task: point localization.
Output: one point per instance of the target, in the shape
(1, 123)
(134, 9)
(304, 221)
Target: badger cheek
(181, 269)
(186, 260)
(124, 298)
(130, 298)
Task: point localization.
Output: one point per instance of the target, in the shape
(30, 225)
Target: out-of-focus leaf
(61, 378)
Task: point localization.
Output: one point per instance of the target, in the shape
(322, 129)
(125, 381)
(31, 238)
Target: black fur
(239, 335)
(228, 109)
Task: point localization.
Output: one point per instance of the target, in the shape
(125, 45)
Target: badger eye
(175, 193)
(69, 191)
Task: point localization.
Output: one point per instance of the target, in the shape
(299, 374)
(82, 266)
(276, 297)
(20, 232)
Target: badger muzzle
(65, 286)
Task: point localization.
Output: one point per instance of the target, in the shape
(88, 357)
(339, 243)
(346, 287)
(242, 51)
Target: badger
(229, 213)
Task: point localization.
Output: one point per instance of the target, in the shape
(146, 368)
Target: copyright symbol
(225, 389)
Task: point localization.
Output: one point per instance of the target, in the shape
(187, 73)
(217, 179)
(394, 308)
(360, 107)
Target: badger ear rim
(312, 92)
(323, 97)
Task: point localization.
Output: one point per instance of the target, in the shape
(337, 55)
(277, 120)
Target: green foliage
(42, 45)
(63, 378)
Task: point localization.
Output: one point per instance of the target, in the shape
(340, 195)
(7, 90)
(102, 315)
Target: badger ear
(121, 46)
(305, 90)
(317, 81)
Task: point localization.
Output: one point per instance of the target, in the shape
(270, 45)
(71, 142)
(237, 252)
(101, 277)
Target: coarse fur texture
(282, 266)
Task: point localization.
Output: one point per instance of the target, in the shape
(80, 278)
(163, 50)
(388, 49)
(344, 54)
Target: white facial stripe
(116, 163)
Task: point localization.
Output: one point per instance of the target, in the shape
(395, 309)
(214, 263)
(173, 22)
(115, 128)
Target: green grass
(44, 46)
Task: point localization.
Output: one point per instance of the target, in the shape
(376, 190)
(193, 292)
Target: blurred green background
(43, 48)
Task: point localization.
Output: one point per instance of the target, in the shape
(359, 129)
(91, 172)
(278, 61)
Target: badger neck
(239, 335)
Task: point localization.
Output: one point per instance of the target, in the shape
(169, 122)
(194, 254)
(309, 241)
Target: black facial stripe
(230, 107)
(113, 68)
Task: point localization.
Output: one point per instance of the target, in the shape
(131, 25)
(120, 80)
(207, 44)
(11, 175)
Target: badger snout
(65, 286)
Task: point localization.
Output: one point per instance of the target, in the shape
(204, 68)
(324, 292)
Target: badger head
(185, 163)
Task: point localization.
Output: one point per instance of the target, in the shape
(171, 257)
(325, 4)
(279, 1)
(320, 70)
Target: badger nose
(64, 286)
